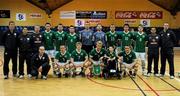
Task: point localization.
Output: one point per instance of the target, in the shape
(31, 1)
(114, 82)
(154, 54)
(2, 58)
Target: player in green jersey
(62, 60)
(128, 61)
(112, 37)
(96, 55)
(72, 38)
(140, 39)
(125, 37)
(79, 57)
(60, 37)
(48, 37)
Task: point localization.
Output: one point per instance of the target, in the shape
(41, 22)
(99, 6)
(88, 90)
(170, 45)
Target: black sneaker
(134, 75)
(59, 75)
(66, 75)
(130, 73)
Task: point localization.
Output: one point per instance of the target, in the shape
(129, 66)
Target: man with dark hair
(25, 52)
(153, 51)
(40, 63)
(72, 38)
(48, 37)
(168, 41)
(125, 37)
(9, 40)
(112, 36)
(60, 37)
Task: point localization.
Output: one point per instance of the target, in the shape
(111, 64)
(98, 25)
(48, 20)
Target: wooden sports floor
(140, 86)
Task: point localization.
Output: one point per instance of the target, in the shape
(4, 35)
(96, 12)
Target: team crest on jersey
(28, 39)
(157, 37)
(168, 34)
(40, 36)
(15, 34)
(63, 35)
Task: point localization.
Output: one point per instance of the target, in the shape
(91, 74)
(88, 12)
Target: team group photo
(88, 51)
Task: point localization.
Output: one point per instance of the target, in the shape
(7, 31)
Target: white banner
(20, 16)
(68, 14)
(145, 22)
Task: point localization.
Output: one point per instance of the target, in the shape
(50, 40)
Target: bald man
(40, 63)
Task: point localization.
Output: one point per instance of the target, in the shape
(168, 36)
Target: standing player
(60, 37)
(72, 38)
(112, 37)
(48, 37)
(25, 52)
(153, 51)
(9, 40)
(168, 41)
(140, 39)
(37, 39)
(125, 37)
(86, 37)
(99, 35)
(96, 55)
(79, 57)
(62, 60)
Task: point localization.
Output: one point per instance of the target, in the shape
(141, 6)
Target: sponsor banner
(138, 14)
(79, 22)
(35, 15)
(67, 14)
(5, 14)
(130, 21)
(20, 16)
(93, 21)
(145, 22)
(91, 14)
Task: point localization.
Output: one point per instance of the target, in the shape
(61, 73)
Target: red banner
(138, 14)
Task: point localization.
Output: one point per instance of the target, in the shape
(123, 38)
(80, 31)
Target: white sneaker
(44, 77)
(21, 77)
(29, 76)
(157, 75)
(171, 77)
(161, 75)
(149, 74)
(144, 73)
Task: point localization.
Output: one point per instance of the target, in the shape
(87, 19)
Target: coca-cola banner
(138, 15)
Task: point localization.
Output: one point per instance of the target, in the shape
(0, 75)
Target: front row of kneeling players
(100, 62)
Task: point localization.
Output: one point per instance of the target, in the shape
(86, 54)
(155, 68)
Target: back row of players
(31, 49)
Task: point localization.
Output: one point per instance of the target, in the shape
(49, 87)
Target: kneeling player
(127, 60)
(78, 58)
(62, 60)
(96, 57)
(40, 63)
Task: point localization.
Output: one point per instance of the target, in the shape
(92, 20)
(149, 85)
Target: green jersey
(140, 42)
(111, 38)
(79, 56)
(60, 39)
(95, 55)
(126, 39)
(62, 57)
(128, 58)
(48, 38)
(111, 55)
(71, 42)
